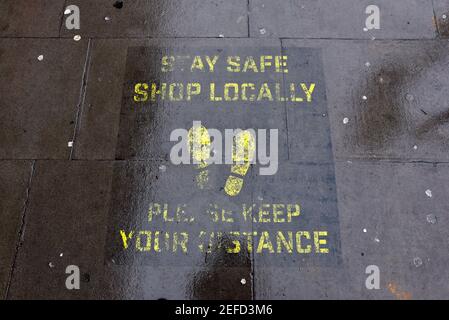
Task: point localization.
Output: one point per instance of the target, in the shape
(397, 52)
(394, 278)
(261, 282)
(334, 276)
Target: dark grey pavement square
(37, 18)
(385, 98)
(40, 88)
(345, 19)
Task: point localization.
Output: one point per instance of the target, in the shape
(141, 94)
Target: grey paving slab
(404, 114)
(152, 18)
(21, 18)
(387, 220)
(114, 126)
(14, 181)
(441, 8)
(404, 19)
(39, 97)
(80, 223)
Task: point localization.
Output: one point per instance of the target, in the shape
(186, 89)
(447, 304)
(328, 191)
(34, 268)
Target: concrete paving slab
(387, 220)
(40, 86)
(152, 18)
(385, 98)
(14, 183)
(21, 18)
(404, 19)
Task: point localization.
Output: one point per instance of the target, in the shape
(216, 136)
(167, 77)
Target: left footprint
(200, 148)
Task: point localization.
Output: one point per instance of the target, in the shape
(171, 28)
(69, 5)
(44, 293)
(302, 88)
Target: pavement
(87, 176)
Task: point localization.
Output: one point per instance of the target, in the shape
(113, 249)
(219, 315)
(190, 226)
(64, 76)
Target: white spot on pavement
(364, 97)
(429, 193)
(415, 147)
(67, 11)
(345, 120)
(51, 265)
(432, 219)
(243, 281)
(417, 262)
(364, 230)
(70, 144)
(40, 58)
(367, 64)
(262, 30)
(77, 37)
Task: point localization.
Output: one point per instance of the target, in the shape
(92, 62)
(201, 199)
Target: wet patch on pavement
(153, 18)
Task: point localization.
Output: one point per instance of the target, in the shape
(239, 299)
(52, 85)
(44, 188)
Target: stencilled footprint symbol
(200, 148)
(243, 154)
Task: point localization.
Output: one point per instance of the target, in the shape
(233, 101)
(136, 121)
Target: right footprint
(242, 155)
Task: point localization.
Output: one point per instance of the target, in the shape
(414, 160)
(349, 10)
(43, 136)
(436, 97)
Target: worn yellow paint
(199, 147)
(243, 153)
(126, 237)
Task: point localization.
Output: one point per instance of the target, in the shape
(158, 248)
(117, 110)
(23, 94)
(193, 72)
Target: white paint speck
(365, 29)
(243, 281)
(67, 11)
(40, 58)
(364, 230)
(432, 219)
(51, 265)
(417, 262)
(77, 37)
(444, 16)
(260, 198)
(376, 240)
(364, 97)
(415, 147)
(345, 120)
(107, 18)
(61, 254)
(70, 144)
(221, 35)
(262, 30)
(162, 168)
(429, 193)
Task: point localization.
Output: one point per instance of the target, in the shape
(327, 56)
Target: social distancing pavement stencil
(212, 168)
